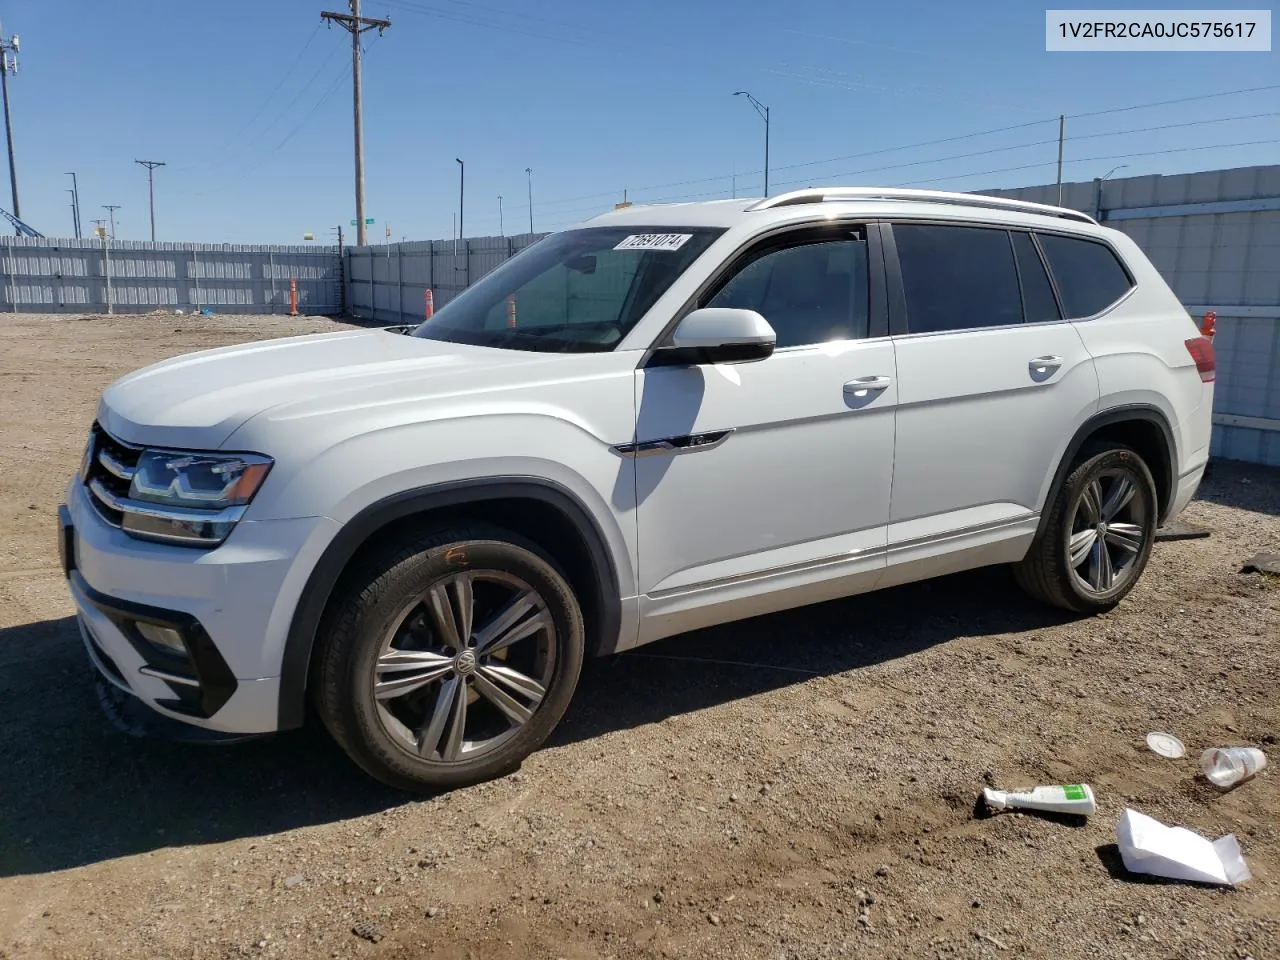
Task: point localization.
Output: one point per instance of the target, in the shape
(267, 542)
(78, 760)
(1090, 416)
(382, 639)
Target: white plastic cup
(1224, 767)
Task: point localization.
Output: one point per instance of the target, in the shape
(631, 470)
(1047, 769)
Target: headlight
(200, 480)
(190, 498)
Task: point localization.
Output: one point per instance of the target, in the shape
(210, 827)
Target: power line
(1038, 143)
(1004, 149)
(1114, 156)
(913, 146)
(237, 138)
(262, 159)
(226, 158)
(1166, 103)
(456, 17)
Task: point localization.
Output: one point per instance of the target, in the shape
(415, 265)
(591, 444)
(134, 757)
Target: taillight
(1201, 350)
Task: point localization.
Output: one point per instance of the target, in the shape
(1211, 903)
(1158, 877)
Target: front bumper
(231, 606)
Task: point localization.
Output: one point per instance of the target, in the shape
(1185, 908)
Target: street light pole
(764, 115)
(502, 232)
(462, 192)
(528, 172)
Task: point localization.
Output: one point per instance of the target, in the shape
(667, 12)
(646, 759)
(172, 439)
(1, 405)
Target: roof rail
(821, 194)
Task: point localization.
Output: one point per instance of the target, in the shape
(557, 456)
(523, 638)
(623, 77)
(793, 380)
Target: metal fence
(45, 275)
(388, 282)
(1215, 237)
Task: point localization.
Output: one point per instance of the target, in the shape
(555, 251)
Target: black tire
(1047, 573)
(374, 616)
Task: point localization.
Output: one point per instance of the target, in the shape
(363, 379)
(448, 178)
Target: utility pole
(355, 24)
(501, 229)
(1062, 128)
(528, 172)
(151, 189)
(75, 196)
(111, 209)
(9, 64)
(764, 115)
(462, 192)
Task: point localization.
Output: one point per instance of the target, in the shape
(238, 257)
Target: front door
(765, 485)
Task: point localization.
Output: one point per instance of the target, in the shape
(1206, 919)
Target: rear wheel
(449, 659)
(1098, 535)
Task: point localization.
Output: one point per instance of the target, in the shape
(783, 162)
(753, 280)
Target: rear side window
(1038, 304)
(957, 278)
(1090, 277)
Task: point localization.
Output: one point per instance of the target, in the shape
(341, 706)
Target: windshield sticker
(654, 241)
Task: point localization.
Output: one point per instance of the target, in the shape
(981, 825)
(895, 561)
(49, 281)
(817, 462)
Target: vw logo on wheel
(465, 664)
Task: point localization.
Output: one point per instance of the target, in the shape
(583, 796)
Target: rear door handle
(865, 386)
(1045, 364)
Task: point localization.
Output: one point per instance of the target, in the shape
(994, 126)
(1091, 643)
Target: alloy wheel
(1109, 528)
(465, 665)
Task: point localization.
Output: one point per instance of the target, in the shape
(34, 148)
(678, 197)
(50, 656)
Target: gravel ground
(800, 785)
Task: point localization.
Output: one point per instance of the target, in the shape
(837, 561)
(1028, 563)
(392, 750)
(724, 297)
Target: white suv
(670, 417)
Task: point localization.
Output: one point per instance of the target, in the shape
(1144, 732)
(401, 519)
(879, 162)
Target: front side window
(575, 291)
(810, 293)
(1090, 277)
(957, 278)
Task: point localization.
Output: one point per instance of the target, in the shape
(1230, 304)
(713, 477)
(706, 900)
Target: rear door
(992, 383)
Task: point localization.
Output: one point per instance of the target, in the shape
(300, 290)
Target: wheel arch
(490, 498)
(1143, 427)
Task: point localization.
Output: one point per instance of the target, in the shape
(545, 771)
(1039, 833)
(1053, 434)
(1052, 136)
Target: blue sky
(249, 104)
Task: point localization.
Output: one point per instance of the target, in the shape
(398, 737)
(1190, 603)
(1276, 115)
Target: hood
(198, 400)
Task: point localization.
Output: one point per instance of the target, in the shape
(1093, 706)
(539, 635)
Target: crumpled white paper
(1148, 846)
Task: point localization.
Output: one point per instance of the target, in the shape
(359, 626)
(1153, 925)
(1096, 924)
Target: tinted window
(957, 277)
(809, 294)
(1089, 276)
(579, 290)
(1038, 304)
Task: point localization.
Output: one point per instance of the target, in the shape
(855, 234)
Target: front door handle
(865, 386)
(1040, 366)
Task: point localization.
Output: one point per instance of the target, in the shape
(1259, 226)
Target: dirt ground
(800, 785)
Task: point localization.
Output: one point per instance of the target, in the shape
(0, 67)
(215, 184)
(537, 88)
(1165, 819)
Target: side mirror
(718, 335)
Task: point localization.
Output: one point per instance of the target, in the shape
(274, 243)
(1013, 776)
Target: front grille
(111, 466)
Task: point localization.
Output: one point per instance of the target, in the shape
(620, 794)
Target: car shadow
(77, 791)
(693, 671)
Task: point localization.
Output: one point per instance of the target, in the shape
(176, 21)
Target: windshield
(575, 291)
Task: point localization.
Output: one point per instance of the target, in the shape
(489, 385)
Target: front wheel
(1098, 535)
(449, 659)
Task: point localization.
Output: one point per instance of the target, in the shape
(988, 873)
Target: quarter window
(1038, 304)
(957, 278)
(810, 293)
(1090, 277)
